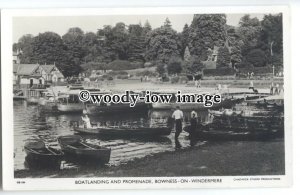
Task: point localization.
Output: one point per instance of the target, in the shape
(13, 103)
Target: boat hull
(228, 103)
(84, 152)
(240, 128)
(126, 132)
(101, 109)
(32, 100)
(43, 158)
(78, 107)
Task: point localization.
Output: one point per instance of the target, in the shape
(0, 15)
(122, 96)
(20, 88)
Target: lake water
(31, 124)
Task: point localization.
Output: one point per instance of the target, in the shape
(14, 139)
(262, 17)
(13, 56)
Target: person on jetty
(251, 86)
(86, 120)
(272, 88)
(277, 89)
(178, 116)
(193, 126)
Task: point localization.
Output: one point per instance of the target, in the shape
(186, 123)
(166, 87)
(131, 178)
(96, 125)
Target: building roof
(47, 68)
(25, 69)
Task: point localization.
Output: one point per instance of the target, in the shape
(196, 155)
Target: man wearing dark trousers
(193, 127)
(178, 116)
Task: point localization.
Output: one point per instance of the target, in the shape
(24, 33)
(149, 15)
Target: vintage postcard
(142, 98)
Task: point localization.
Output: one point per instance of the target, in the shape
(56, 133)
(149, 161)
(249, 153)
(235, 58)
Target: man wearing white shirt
(178, 116)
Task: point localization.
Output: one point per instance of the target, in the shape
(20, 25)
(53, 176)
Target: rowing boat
(75, 146)
(39, 155)
(123, 131)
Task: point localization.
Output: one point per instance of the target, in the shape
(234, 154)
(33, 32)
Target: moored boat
(257, 124)
(226, 103)
(33, 95)
(114, 108)
(48, 102)
(69, 102)
(225, 112)
(123, 131)
(39, 155)
(75, 146)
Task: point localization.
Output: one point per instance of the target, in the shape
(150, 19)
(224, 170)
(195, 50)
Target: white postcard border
(10, 183)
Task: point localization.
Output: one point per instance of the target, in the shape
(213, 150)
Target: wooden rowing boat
(39, 155)
(75, 146)
(123, 131)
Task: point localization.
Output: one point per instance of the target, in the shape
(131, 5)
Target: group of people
(250, 75)
(178, 117)
(144, 79)
(276, 89)
(198, 83)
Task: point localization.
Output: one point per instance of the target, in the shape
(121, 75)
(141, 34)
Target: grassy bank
(213, 159)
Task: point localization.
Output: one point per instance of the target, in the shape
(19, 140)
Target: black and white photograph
(149, 98)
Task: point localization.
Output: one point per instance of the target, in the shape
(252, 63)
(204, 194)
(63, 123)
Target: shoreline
(212, 159)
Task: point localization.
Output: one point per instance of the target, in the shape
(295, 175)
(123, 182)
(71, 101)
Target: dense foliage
(252, 43)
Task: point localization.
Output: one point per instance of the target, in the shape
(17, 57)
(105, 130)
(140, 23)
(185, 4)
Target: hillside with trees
(253, 43)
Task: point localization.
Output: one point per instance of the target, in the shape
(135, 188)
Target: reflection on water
(30, 124)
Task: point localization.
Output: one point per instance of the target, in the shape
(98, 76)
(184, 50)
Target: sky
(61, 24)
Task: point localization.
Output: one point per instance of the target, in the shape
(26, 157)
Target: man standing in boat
(178, 116)
(86, 120)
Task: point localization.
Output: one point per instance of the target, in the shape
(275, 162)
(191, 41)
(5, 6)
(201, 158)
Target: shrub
(116, 73)
(146, 73)
(183, 79)
(122, 76)
(257, 57)
(120, 65)
(94, 66)
(175, 79)
(174, 66)
(160, 69)
(256, 70)
(110, 78)
(219, 72)
(165, 78)
(137, 64)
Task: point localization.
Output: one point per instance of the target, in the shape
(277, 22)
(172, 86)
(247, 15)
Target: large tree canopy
(206, 31)
(251, 42)
(163, 44)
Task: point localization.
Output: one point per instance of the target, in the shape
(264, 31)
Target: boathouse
(28, 75)
(51, 74)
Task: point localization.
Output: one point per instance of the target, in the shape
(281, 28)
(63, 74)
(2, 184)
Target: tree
(184, 39)
(194, 67)
(160, 69)
(271, 38)
(48, 48)
(236, 55)
(174, 66)
(249, 33)
(136, 47)
(74, 49)
(167, 23)
(25, 46)
(147, 27)
(162, 44)
(115, 42)
(92, 48)
(187, 54)
(206, 31)
(223, 59)
(256, 57)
